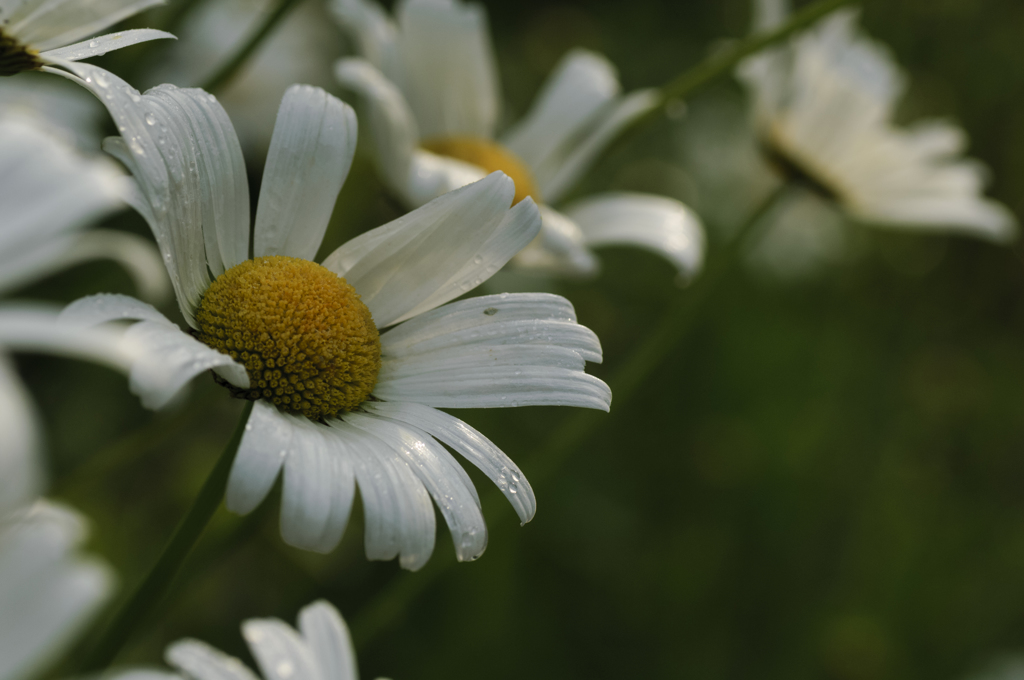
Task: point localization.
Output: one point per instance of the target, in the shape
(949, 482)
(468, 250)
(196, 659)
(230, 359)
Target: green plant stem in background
(154, 587)
(230, 68)
(582, 424)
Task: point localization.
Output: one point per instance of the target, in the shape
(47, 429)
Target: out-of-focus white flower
(299, 50)
(34, 33)
(824, 108)
(431, 89)
(61, 109)
(321, 649)
(47, 193)
(338, 403)
(48, 590)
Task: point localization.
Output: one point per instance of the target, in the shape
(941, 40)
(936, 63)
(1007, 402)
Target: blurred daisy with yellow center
(348, 360)
(430, 85)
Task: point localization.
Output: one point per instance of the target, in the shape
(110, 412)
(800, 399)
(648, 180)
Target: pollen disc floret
(307, 341)
(491, 157)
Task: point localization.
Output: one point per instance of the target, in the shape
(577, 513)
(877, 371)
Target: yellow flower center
(307, 341)
(490, 156)
(15, 57)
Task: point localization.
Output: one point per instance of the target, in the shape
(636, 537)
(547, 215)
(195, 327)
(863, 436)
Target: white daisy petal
(145, 674)
(186, 159)
(94, 310)
(391, 125)
(39, 328)
(656, 223)
(329, 639)
(21, 470)
(310, 155)
(318, 489)
(264, 446)
(581, 85)
(279, 651)
(449, 75)
(474, 446)
(397, 268)
(443, 477)
(399, 513)
(46, 24)
(558, 175)
(504, 319)
(201, 661)
(105, 43)
(560, 248)
(24, 265)
(48, 592)
(172, 358)
(431, 175)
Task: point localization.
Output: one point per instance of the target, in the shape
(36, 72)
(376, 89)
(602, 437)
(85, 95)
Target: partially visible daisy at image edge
(38, 33)
(823, 108)
(319, 649)
(337, 402)
(430, 85)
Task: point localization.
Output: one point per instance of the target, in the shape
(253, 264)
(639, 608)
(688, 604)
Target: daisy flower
(321, 649)
(429, 81)
(347, 361)
(823, 105)
(36, 33)
(48, 589)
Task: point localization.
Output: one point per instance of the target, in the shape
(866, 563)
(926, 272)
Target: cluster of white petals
(430, 73)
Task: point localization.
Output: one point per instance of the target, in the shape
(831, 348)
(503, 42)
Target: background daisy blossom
(434, 103)
(493, 351)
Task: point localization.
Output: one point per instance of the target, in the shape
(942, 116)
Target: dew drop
(93, 43)
(150, 119)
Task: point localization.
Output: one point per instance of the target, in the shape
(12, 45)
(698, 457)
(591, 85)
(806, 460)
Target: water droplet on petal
(150, 119)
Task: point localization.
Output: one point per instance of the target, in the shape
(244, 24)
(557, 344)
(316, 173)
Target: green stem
(582, 424)
(230, 68)
(156, 583)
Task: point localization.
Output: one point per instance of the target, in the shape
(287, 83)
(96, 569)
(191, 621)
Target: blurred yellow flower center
(15, 57)
(490, 156)
(307, 341)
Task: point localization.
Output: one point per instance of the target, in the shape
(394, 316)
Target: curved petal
(559, 173)
(185, 156)
(318, 489)
(581, 85)
(94, 310)
(262, 451)
(443, 477)
(105, 43)
(21, 469)
(201, 661)
(399, 514)
(503, 319)
(436, 252)
(49, 24)
(309, 158)
(431, 175)
(473, 446)
(137, 255)
(393, 132)
(328, 638)
(171, 359)
(448, 74)
(559, 248)
(656, 223)
(40, 328)
(279, 651)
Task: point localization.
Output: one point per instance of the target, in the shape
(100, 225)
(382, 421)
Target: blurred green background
(825, 480)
